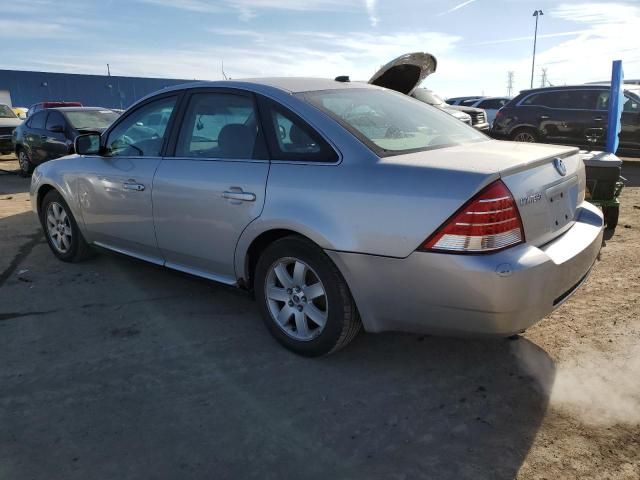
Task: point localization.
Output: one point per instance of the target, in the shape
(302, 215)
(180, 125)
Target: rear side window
(565, 99)
(221, 125)
(290, 138)
(38, 119)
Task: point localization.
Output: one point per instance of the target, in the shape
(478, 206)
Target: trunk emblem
(560, 166)
(536, 197)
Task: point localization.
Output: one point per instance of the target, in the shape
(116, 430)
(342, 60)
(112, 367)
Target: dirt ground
(113, 368)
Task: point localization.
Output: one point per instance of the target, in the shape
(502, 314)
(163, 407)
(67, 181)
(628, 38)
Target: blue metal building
(26, 88)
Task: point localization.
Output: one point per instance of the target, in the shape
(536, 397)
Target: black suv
(50, 133)
(570, 115)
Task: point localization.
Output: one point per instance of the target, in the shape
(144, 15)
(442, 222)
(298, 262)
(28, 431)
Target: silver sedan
(341, 205)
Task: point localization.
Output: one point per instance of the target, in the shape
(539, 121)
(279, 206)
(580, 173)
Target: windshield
(6, 112)
(391, 123)
(91, 119)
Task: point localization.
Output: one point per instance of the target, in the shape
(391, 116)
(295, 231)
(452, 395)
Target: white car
(490, 105)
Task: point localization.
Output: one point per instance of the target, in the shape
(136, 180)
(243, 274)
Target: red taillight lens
(490, 221)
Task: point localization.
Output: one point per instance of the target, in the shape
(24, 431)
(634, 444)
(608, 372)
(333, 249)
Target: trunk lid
(546, 199)
(405, 73)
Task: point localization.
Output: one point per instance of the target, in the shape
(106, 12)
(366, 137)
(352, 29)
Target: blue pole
(616, 104)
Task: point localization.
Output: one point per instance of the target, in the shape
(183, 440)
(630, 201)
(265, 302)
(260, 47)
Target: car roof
(582, 86)
(79, 109)
(286, 84)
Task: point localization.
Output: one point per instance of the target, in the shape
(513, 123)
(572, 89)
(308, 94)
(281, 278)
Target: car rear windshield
(391, 123)
(90, 119)
(6, 112)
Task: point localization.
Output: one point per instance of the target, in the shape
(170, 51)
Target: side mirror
(88, 144)
(56, 128)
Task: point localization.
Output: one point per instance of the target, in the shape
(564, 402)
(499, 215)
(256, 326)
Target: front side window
(220, 125)
(391, 123)
(141, 134)
(54, 120)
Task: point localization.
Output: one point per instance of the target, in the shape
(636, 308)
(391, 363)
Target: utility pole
(543, 83)
(509, 84)
(108, 71)
(537, 14)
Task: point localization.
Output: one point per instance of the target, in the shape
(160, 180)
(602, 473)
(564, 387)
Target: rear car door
(56, 143)
(213, 186)
(34, 137)
(115, 193)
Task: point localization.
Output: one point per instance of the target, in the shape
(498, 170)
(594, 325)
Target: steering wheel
(393, 132)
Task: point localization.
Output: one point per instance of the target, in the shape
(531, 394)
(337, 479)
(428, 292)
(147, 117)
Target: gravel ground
(113, 368)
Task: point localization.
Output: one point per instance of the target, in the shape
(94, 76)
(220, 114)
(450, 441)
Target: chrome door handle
(597, 119)
(137, 187)
(241, 196)
(544, 117)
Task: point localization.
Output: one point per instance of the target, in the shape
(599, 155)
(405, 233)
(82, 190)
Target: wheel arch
(42, 192)
(248, 251)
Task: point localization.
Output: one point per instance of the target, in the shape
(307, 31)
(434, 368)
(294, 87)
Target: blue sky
(476, 41)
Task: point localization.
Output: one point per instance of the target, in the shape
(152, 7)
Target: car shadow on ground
(114, 368)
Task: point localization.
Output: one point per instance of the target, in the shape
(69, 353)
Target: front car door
(56, 144)
(34, 135)
(213, 186)
(115, 193)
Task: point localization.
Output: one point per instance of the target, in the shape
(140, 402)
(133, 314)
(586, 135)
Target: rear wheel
(26, 167)
(304, 301)
(61, 230)
(527, 135)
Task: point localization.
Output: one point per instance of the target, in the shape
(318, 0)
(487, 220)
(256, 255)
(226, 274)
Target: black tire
(611, 215)
(26, 167)
(78, 249)
(342, 322)
(519, 135)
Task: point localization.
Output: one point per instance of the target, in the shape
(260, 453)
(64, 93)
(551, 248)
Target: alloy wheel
(525, 137)
(296, 298)
(23, 160)
(59, 227)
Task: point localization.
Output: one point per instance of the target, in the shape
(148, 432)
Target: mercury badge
(560, 167)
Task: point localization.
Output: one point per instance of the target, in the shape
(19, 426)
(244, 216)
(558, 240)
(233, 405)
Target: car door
(115, 191)
(212, 185)
(33, 137)
(491, 107)
(630, 133)
(55, 143)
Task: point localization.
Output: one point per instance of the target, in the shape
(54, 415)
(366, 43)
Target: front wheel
(26, 167)
(304, 300)
(61, 230)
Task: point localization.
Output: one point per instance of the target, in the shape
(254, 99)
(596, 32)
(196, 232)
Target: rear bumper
(499, 294)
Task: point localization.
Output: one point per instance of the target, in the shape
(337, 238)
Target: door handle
(597, 119)
(130, 185)
(239, 195)
(544, 117)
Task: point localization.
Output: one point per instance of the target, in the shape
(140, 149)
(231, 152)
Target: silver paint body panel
(369, 214)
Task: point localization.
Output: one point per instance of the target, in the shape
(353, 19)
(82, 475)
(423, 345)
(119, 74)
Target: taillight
(488, 222)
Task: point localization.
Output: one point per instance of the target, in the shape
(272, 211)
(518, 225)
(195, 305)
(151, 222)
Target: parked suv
(50, 133)
(571, 115)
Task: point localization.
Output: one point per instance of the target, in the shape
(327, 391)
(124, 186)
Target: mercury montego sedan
(342, 206)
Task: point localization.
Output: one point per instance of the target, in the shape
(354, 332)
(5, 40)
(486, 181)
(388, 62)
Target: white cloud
(457, 7)
(371, 11)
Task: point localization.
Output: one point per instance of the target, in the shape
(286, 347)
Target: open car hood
(406, 72)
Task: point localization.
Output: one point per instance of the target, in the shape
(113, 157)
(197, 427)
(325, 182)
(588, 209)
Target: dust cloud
(598, 389)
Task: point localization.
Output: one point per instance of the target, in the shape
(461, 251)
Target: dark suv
(570, 115)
